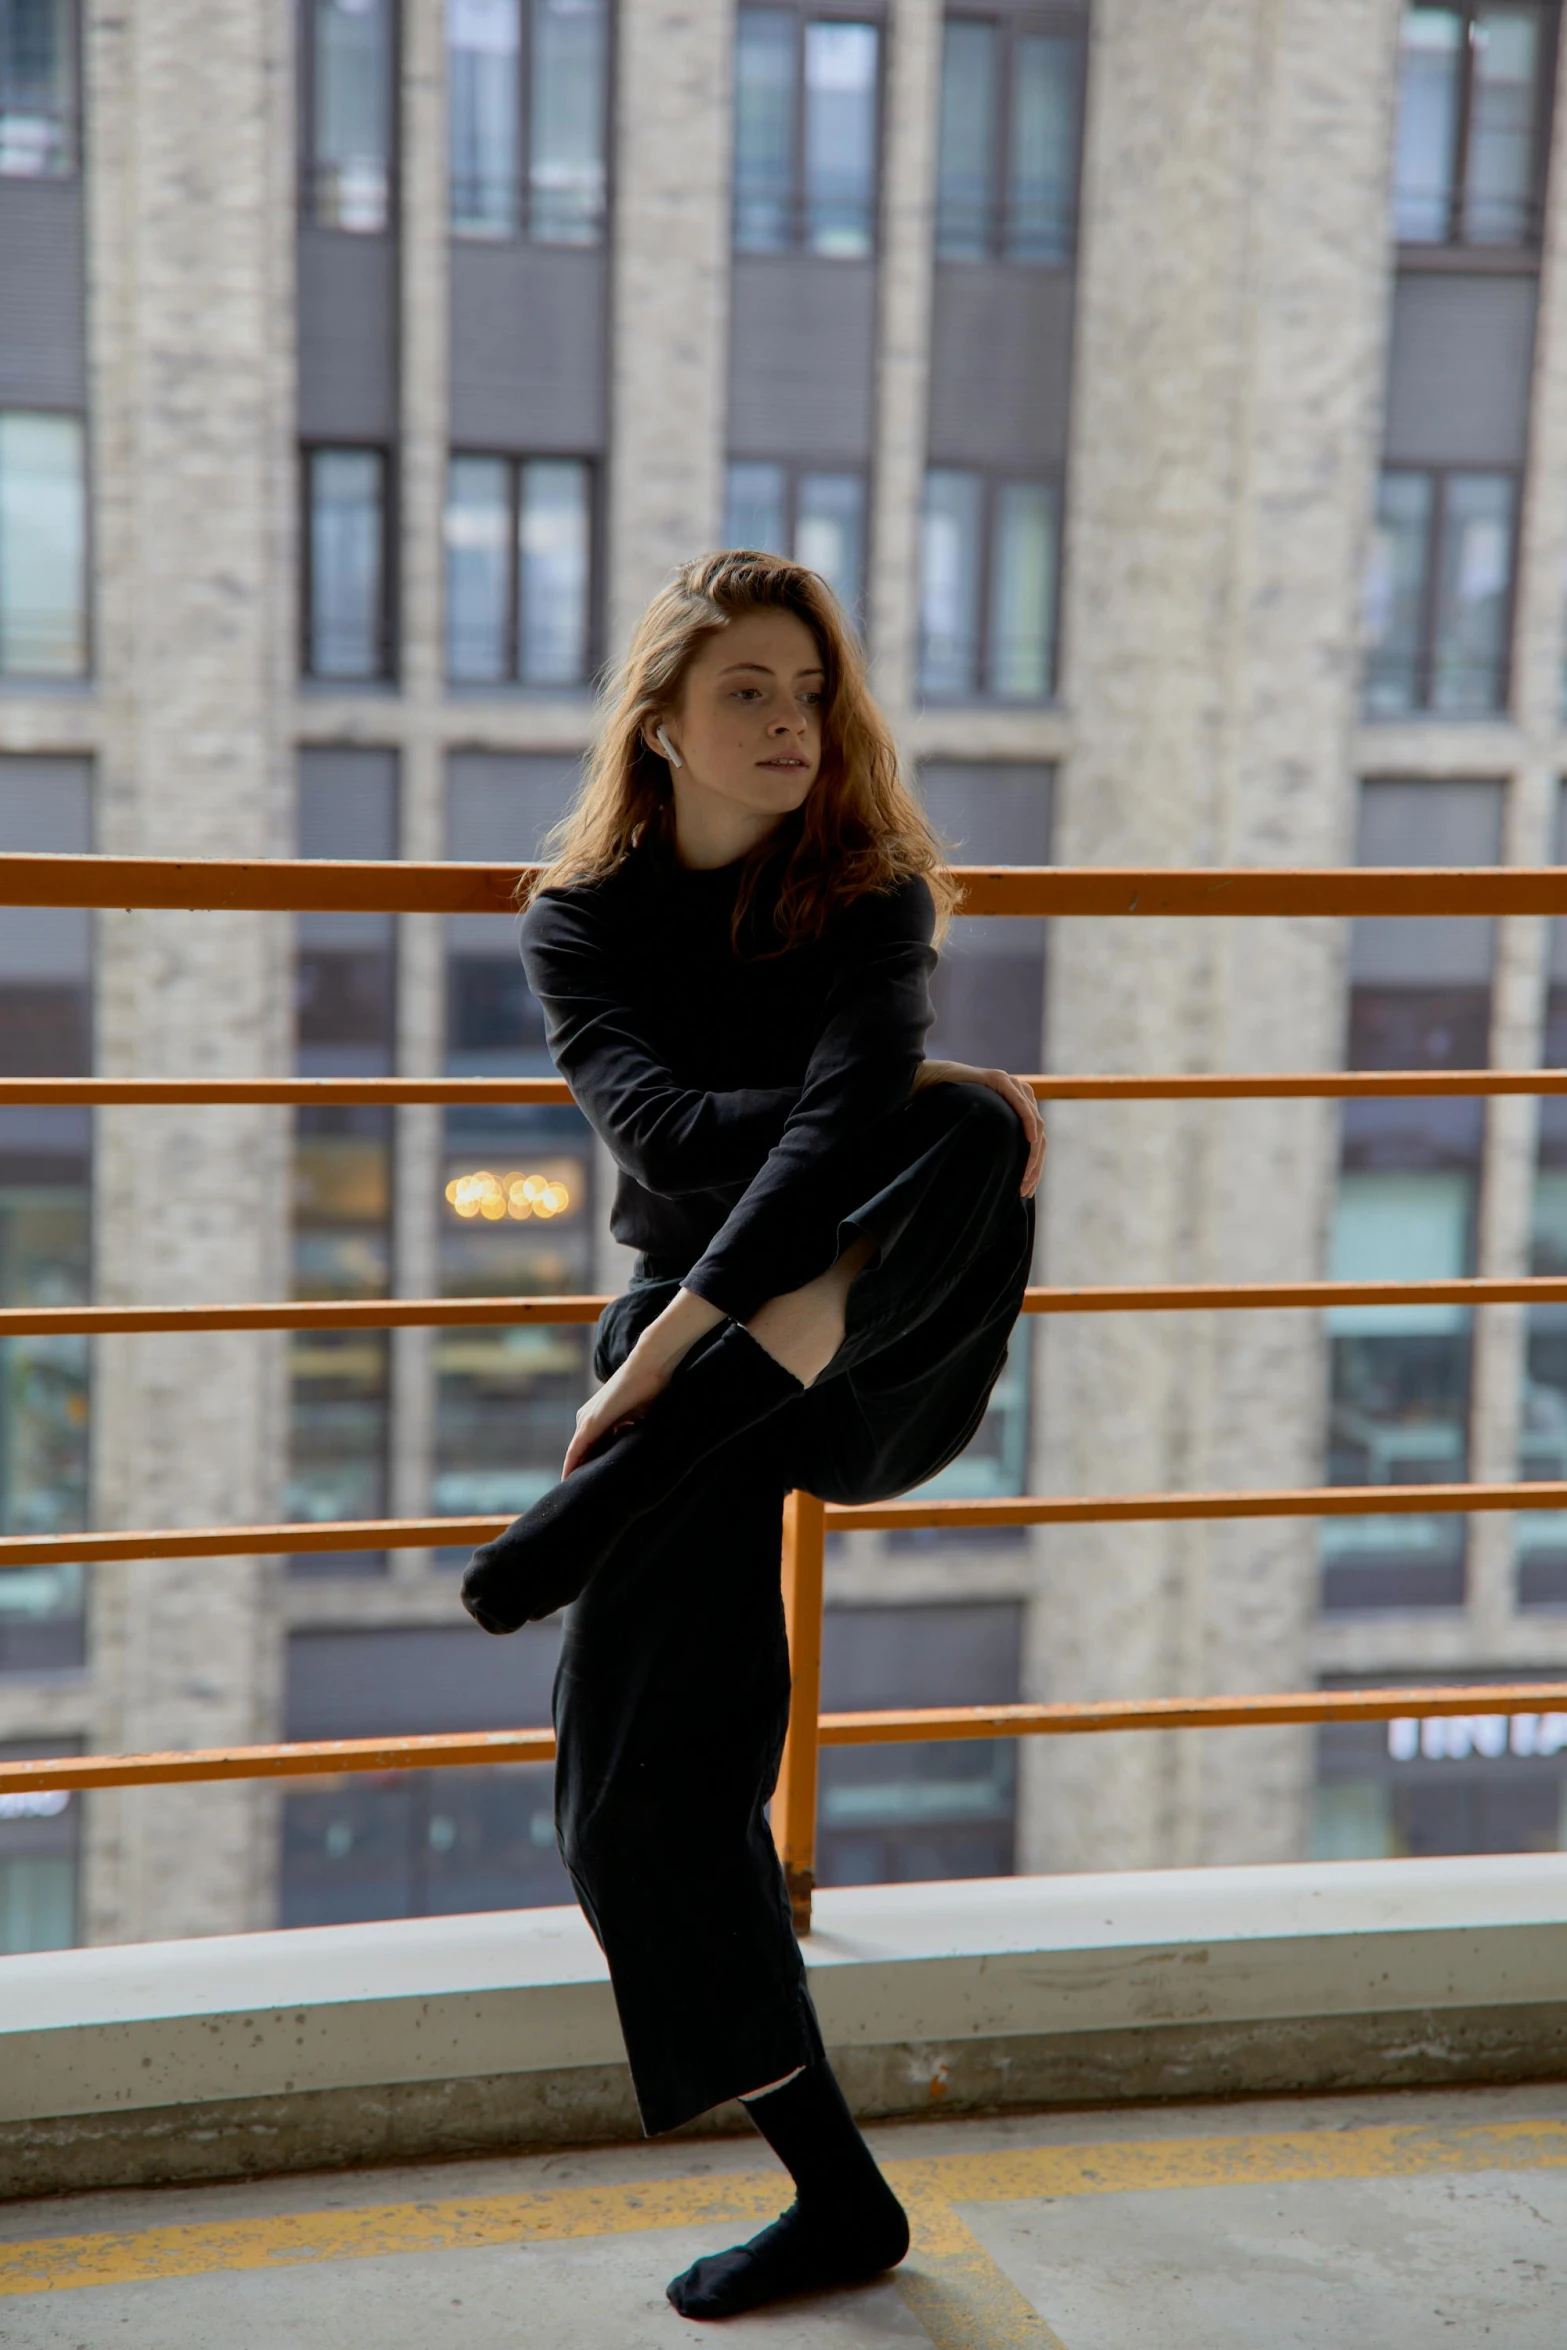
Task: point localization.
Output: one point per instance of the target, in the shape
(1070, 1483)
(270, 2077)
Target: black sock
(546, 1558)
(845, 2223)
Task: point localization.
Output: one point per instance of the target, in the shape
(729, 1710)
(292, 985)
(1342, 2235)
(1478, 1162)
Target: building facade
(1177, 397)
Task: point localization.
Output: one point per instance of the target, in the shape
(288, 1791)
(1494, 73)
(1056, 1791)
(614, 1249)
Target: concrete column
(669, 332)
(191, 363)
(903, 348)
(425, 437)
(1231, 314)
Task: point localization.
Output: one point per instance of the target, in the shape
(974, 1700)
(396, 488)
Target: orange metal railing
(297, 886)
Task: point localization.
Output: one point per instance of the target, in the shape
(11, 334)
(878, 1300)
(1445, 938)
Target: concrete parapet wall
(436, 2036)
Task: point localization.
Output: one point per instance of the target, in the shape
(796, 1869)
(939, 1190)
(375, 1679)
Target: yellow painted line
(961, 2296)
(285, 2239)
(931, 2187)
(1139, 2166)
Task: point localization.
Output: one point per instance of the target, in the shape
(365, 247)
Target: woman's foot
(803, 2252)
(845, 2224)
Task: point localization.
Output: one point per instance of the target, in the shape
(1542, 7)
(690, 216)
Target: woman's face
(748, 727)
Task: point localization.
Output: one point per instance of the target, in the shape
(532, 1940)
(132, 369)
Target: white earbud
(668, 748)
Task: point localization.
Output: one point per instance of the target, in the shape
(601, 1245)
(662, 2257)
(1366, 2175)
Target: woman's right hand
(1011, 1090)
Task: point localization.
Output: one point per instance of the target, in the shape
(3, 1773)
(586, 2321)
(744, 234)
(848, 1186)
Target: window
(1438, 607)
(43, 546)
(1540, 1537)
(519, 571)
(892, 1814)
(402, 1844)
(347, 570)
(1470, 150)
(516, 1211)
(45, 1217)
(346, 1027)
(817, 518)
(805, 133)
(348, 83)
(37, 89)
(1007, 159)
(555, 82)
(1420, 997)
(1419, 1787)
(989, 997)
(40, 1832)
(991, 556)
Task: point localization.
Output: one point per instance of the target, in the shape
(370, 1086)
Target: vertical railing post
(794, 1803)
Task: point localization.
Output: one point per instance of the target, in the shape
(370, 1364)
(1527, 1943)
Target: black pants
(672, 1696)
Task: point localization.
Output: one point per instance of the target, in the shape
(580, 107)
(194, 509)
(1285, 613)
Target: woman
(733, 947)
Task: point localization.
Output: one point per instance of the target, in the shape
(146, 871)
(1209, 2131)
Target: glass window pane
(840, 138)
(37, 89)
(566, 121)
(1474, 584)
(478, 569)
(45, 1215)
(554, 534)
(1498, 179)
(967, 139)
(1429, 69)
(351, 177)
(1042, 174)
(764, 129)
(829, 532)
(1023, 591)
(483, 115)
(43, 531)
(346, 563)
(1395, 593)
(516, 1220)
(949, 585)
(756, 508)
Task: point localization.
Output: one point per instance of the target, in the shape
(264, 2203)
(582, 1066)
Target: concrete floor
(1337, 2223)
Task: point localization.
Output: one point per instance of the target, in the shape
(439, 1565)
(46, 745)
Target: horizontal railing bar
(296, 1092)
(470, 1749)
(1121, 1509)
(284, 885)
(371, 1092)
(457, 1313)
(404, 1313)
(1185, 1297)
(1185, 1713)
(1089, 1509)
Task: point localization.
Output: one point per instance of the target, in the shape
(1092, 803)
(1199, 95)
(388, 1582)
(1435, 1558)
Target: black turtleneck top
(728, 1087)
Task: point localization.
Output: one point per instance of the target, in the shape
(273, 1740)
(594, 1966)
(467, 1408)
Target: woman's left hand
(1011, 1090)
(644, 1374)
(625, 1395)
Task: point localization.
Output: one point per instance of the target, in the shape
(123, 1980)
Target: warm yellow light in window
(516, 1195)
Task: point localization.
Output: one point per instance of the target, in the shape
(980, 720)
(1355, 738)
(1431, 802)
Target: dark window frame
(1009, 25)
(387, 618)
(593, 656)
(1454, 244)
(796, 246)
(305, 128)
(1423, 707)
(521, 230)
(993, 478)
(793, 469)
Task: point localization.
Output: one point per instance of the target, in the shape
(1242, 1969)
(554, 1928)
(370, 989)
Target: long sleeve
(861, 1071)
(671, 1138)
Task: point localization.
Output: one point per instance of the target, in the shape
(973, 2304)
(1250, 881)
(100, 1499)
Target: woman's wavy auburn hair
(859, 830)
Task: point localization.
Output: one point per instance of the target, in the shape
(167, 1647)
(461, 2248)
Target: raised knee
(989, 1125)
